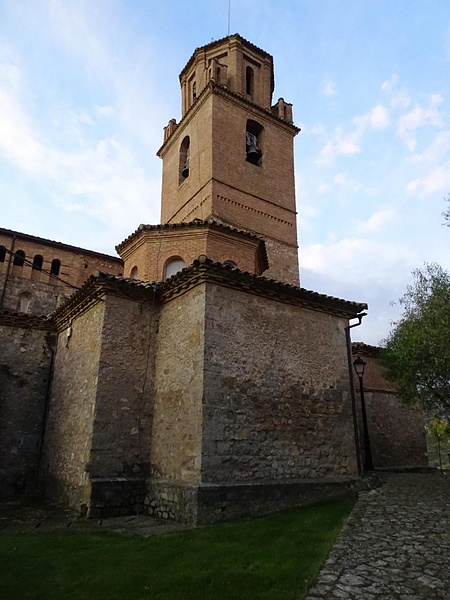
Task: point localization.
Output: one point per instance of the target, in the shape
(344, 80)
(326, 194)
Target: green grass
(275, 557)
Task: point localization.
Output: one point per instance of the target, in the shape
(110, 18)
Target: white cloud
(390, 83)
(100, 178)
(419, 117)
(379, 117)
(357, 258)
(350, 143)
(105, 111)
(328, 88)
(436, 183)
(399, 96)
(341, 144)
(379, 220)
(344, 180)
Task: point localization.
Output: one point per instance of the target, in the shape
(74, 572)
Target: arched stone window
(56, 266)
(230, 263)
(37, 262)
(23, 302)
(184, 160)
(19, 258)
(173, 266)
(2, 253)
(134, 273)
(249, 81)
(253, 142)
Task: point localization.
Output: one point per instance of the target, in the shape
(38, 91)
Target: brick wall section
(150, 250)
(175, 194)
(68, 438)
(25, 356)
(260, 199)
(283, 262)
(77, 265)
(276, 406)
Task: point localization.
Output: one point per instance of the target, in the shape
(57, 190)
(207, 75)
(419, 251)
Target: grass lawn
(275, 557)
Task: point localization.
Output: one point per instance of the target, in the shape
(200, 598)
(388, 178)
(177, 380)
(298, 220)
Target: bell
(185, 170)
(253, 154)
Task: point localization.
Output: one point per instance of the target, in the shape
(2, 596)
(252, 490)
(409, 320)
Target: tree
(439, 430)
(417, 351)
(446, 213)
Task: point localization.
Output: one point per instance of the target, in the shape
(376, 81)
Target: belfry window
(134, 273)
(2, 253)
(173, 266)
(37, 262)
(19, 258)
(253, 138)
(194, 91)
(56, 266)
(184, 159)
(249, 81)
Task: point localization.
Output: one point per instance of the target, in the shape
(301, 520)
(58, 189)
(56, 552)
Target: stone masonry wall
(68, 436)
(25, 357)
(177, 429)
(277, 394)
(397, 432)
(44, 297)
(122, 427)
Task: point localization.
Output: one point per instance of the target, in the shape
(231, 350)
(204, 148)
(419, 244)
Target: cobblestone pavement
(396, 544)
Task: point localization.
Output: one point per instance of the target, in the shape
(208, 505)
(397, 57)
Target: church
(192, 378)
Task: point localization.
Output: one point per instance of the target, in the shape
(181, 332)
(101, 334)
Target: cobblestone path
(396, 544)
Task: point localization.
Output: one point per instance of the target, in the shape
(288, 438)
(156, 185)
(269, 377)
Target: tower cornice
(214, 88)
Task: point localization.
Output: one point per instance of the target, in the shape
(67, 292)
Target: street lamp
(359, 365)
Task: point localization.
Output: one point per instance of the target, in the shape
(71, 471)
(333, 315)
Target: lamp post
(359, 365)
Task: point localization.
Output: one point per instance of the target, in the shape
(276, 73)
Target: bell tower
(231, 156)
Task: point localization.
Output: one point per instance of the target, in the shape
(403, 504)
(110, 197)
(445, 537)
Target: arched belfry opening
(184, 159)
(249, 81)
(253, 142)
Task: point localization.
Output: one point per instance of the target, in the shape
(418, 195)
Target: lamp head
(359, 366)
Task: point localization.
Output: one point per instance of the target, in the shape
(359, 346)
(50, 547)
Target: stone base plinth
(205, 503)
(116, 496)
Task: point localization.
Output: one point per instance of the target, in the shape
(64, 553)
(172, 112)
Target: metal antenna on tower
(229, 14)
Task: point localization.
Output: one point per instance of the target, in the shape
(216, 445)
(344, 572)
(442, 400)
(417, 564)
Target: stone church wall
(68, 437)
(100, 420)
(25, 359)
(123, 421)
(277, 394)
(44, 297)
(397, 432)
(177, 432)
(248, 410)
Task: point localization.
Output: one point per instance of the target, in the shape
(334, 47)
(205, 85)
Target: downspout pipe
(352, 388)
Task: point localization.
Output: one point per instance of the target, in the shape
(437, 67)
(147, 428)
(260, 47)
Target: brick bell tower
(229, 161)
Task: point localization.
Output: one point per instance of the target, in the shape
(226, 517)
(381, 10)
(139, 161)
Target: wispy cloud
(378, 221)
(329, 88)
(417, 118)
(345, 143)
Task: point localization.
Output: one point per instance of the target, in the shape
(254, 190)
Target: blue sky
(86, 88)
